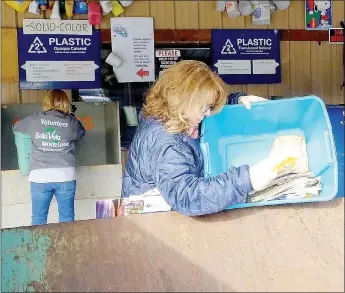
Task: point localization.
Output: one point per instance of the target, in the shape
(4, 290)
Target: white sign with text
(132, 40)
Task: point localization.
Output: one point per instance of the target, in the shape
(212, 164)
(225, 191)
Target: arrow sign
(142, 73)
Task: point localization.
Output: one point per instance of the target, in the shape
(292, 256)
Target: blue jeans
(42, 194)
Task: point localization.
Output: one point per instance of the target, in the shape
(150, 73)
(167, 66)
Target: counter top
(280, 248)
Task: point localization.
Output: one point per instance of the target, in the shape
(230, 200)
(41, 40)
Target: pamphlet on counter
(141, 204)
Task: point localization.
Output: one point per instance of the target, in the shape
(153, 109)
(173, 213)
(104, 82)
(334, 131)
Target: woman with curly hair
(165, 153)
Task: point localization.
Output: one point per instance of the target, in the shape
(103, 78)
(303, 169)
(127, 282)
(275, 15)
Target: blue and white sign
(63, 54)
(246, 56)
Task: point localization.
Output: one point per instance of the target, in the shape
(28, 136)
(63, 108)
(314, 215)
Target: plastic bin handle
(328, 144)
(206, 156)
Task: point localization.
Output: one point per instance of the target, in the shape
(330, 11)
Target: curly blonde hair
(184, 87)
(56, 100)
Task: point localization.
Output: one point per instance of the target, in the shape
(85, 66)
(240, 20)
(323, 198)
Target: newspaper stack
(294, 179)
(289, 186)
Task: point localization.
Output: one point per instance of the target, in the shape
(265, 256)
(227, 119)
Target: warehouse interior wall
(307, 67)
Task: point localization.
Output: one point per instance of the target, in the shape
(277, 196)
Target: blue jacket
(173, 164)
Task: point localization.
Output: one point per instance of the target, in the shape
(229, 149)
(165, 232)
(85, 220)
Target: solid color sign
(59, 54)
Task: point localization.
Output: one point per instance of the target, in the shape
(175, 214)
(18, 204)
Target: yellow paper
(287, 163)
(117, 8)
(292, 149)
(20, 6)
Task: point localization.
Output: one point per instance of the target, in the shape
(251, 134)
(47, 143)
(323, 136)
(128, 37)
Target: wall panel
(307, 67)
(301, 61)
(163, 14)
(300, 70)
(187, 14)
(296, 15)
(321, 74)
(208, 16)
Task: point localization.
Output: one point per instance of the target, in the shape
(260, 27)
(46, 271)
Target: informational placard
(318, 15)
(247, 56)
(336, 35)
(59, 54)
(132, 40)
(165, 58)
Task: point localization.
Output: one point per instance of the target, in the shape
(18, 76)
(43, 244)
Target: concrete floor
(296, 248)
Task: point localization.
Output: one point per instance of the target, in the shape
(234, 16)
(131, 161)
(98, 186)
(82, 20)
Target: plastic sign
(246, 56)
(63, 54)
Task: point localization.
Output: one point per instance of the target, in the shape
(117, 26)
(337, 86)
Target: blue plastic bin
(238, 137)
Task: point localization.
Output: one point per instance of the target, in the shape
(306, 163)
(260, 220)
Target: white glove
(262, 174)
(248, 100)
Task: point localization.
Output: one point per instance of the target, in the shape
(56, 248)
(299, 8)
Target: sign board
(132, 40)
(59, 54)
(318, 14)
(336, 35)
(165, 57)
(247, 56)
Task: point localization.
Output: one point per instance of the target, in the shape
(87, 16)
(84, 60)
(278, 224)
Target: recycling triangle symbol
(228, 48)
(37, 47)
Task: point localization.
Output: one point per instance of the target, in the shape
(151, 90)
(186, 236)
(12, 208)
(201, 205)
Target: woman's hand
(248, 100)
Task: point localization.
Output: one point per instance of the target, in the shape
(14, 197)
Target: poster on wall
(166, 57)
(318, 15)
(59, 54)
(250, 56)
(132, 42)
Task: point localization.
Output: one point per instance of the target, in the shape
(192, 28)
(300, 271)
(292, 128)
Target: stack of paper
(289, 186)
(294, 179)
